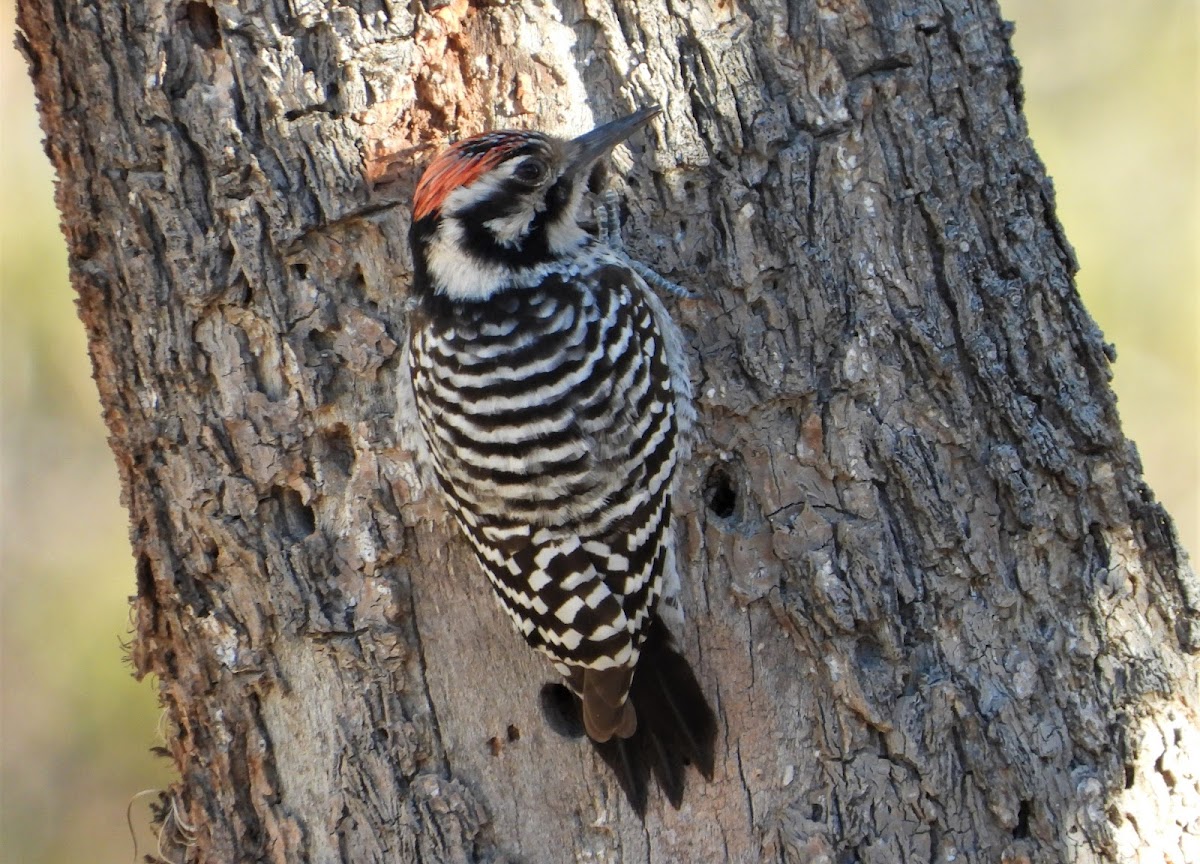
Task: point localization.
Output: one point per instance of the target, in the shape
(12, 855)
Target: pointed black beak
(583, 151)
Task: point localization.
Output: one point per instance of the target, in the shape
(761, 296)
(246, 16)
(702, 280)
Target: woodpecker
(552, 391)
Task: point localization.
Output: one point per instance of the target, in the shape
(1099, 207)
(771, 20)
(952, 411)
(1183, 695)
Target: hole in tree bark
(145, 578)
(206, 29)
(1022, 829)
(322, 340)
(338, 447)
(720, 492)
(560, 708)
(295, 518)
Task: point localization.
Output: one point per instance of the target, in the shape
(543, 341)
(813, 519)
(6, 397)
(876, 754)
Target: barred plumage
(553, 394)
(550, 414)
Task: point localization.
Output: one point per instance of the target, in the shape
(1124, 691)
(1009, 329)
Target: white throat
(459, 276)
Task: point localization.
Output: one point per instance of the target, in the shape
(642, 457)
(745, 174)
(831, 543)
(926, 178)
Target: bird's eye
(531, 171)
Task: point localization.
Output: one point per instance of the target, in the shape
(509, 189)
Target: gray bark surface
(939, 614)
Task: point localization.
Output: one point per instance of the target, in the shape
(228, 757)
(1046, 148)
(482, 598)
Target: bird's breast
(547, 403)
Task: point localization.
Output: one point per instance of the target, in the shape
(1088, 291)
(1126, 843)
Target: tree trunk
(938, 612)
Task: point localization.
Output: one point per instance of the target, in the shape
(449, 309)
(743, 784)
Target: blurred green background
(1112, 104)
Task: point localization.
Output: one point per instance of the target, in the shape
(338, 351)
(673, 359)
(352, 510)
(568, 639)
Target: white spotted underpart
(556, 411)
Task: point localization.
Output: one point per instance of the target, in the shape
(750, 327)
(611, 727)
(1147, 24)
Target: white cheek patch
(455, 273)
(510, 230)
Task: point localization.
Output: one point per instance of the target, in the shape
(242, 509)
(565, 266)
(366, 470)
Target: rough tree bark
(940, 615)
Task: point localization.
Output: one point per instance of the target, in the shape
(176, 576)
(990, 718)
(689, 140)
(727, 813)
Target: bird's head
(496, 205)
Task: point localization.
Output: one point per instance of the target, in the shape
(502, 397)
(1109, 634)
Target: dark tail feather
(675, 725)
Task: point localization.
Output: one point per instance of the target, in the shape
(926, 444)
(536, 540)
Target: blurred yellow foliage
(1112, 107)
(77, 729)
(1111, 98)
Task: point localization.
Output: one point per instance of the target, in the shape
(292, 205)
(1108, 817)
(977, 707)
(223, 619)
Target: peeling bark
(940, 614)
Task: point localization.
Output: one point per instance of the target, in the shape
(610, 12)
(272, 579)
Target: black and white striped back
(553, 413)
